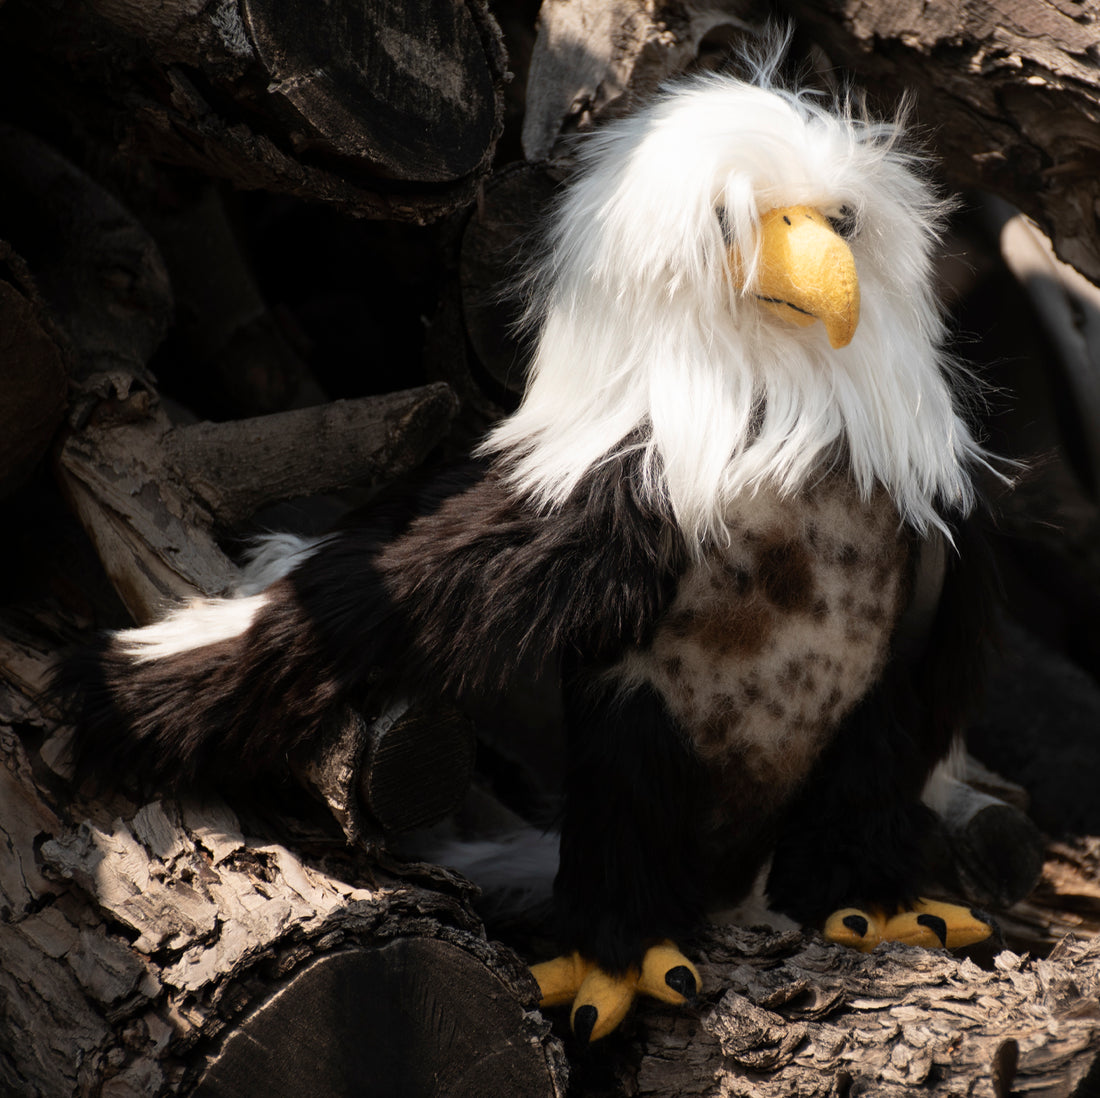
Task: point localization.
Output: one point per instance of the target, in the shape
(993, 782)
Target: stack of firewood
(252, 252)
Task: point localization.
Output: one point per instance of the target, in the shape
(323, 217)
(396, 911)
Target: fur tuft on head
(643, 340)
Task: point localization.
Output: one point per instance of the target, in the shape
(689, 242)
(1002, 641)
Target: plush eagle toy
(738, 442)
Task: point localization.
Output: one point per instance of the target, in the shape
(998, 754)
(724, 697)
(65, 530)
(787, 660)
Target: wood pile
(251, 254)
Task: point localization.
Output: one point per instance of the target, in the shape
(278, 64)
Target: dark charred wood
(386, 110)
(34, 378)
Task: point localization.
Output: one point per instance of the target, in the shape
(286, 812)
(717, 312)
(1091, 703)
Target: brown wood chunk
(416, 1017)
(407, 87)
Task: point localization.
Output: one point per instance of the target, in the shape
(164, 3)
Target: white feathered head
(660, 324)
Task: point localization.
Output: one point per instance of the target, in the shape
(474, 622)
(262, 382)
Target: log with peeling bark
(159, 949)
(788, 1014)
(381, 109)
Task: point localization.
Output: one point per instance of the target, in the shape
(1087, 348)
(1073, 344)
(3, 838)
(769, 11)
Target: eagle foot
(927, 923)
(600, 1001)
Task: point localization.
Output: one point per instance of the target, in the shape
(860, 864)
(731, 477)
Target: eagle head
(738, 280)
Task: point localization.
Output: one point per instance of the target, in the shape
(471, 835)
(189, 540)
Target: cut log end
(412, 1018)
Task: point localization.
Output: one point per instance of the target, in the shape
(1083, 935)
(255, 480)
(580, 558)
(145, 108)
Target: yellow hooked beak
(806, 272)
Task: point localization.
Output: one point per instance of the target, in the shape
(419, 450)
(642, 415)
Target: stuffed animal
(737, 444)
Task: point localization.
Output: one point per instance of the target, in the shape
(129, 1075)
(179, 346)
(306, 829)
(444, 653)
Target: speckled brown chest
(770, 641)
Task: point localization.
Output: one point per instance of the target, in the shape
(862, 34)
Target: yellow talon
(559, 980)
(668, 975)
(855, 928)
(927, 923)
(601, 1001)
(936, 925)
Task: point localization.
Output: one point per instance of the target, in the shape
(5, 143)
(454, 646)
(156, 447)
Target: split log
(384, 110)
(1067, 306)
(594, 58)
(408, 768)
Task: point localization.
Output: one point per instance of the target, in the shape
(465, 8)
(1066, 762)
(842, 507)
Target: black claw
(584, 1021)
(856, 923)
(994, 926)
(936, 925)
(682, 981)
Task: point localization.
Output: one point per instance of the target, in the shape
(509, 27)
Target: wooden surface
(382, 109)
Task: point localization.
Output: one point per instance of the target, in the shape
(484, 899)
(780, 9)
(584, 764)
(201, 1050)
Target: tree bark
(789, 1014)
(1010, 91)
(156, 949)
(152, 497)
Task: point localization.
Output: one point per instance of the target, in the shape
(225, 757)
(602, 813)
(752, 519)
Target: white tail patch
(196, 624)
(942, 786)
(271, 558)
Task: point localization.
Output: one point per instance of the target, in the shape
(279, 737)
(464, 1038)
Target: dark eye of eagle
(844, 222)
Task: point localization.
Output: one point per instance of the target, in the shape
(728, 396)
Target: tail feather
(445, 598)
(221, 689)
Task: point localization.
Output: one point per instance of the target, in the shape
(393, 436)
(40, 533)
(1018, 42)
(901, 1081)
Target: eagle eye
(844, 222)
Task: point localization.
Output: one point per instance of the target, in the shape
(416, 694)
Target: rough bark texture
(152, 496)
(148, 946)
(1011, 88)
(795, 1016)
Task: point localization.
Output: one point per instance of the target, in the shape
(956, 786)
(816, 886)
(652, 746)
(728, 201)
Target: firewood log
(383, 109)
(152, 496)
(158, 948)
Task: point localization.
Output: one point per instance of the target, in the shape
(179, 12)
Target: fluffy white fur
(200, 622)
(642, 338)
(272, 557)
(194, 625)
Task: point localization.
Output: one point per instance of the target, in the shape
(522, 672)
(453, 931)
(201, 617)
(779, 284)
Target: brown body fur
(773, 639)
